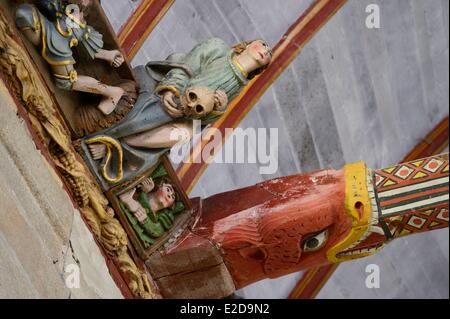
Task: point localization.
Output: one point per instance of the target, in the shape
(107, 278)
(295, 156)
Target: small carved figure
(151, 209)
(197, 85)
(56, 29)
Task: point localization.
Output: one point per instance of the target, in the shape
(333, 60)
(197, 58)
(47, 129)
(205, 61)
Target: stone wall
(41, 232)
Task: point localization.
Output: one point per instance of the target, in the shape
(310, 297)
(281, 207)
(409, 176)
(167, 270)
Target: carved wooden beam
(314, 279)
(285, 51)
(299, 222)
(136, 30)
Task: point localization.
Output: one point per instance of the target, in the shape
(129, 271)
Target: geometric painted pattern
(379, 179)
(404, 172)
(413, 187)
(419, 222)
(433, 165)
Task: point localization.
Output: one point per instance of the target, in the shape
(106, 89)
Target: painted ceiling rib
(144, 19)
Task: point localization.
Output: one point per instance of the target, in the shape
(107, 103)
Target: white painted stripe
(424, 202)
(414, 187)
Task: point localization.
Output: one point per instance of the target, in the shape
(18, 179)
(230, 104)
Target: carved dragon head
(298, 222)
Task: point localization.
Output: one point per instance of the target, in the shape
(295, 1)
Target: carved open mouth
(361, 251)
(370, 243)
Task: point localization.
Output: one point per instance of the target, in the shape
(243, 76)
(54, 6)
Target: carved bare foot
(97, 150)
(109, 103)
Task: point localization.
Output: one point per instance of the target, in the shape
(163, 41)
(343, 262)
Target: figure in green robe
(150, 209)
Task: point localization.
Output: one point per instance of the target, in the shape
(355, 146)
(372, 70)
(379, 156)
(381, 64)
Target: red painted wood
(261, 229)
(140, 24)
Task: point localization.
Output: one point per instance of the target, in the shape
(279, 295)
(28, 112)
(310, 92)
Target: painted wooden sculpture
(293, 223)
(185, 87)
(230, 240)
(56, 29)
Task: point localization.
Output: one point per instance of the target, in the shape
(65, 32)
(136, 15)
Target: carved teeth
(356, 243)
(376, 229)
(361, 251)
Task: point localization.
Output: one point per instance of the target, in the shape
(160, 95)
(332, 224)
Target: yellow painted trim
(134, 19)
(75, 19)
(73, 42)
(35, 21)
(61, 31)
(72, 77)
(173, 89)
(355, 192)
(240, 67)
(109, 143)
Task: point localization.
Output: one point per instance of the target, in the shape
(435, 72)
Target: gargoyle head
(298, 222)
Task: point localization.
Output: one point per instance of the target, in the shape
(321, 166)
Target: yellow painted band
(173, 89)
(35, 21)
(356, 195)
(72, 77)
(240, 67)
(109, 142)
(75, 19)
(73, 42)
(61, 31)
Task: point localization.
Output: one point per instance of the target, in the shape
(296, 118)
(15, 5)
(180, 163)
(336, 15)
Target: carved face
(50, 7)
(281, 227)
(260, 52)
(197, 102)
(165, 196)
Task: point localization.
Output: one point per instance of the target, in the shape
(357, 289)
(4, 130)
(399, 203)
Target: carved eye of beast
(315, 242)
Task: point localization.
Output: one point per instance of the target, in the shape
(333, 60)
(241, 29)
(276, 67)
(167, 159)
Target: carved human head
(165, 195)
(257, 49)
(50, 8)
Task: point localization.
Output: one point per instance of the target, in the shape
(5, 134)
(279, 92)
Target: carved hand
(220, 100)
(141, 215)
(127, 199)
(117, 58)
(147, 185)
(170, 105)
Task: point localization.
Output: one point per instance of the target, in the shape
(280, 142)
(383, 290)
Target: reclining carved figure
(197, 85)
